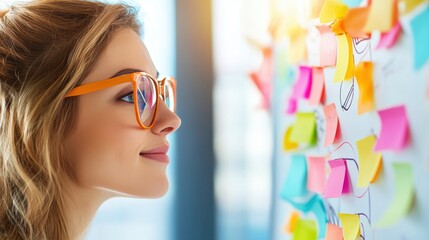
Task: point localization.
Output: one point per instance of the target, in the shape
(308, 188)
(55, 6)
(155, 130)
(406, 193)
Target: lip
(158, 154)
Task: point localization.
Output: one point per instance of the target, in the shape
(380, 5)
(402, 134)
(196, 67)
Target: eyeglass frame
(130, 77)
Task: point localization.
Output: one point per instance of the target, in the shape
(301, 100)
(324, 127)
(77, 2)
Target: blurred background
(220, 172)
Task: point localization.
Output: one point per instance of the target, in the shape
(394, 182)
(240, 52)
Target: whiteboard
(396, 82)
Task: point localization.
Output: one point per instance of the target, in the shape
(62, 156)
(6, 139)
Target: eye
(129, 98)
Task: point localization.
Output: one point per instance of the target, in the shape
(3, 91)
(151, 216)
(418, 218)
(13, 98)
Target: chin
(156, 190)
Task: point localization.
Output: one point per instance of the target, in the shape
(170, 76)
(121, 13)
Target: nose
(166, 121)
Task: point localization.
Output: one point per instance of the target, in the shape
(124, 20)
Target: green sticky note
(305, 230)
(404, 194)
(304, 129)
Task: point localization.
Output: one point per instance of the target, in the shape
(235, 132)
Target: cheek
(105, 154)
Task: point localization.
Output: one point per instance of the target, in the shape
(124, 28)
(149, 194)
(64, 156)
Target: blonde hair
(47, 47)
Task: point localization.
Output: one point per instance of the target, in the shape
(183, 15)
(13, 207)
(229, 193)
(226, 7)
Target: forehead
(125, 50)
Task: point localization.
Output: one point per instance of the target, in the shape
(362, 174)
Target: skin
(105, 148)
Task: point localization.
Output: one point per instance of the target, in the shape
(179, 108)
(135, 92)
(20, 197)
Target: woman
(72, 135)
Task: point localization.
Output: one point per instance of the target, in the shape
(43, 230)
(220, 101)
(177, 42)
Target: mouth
(158, 154)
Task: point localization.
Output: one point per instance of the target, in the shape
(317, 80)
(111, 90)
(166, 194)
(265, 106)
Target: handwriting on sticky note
(316, 178)
(295, 184)
(328, 46)
(317, 93)
(331, 10)
(363, 74)
(305, 230)
(383, 14)
(369, 161)
(345, 60)
(288, 145)
(332, 124)
(304, 129)
(350, 223)
(404, 194)
(339, 179)
(388, 39)
(394, 129)
(334, 232)
(420, 36)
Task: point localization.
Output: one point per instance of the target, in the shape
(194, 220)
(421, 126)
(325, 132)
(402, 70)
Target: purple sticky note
(394, 129)
(339, 180)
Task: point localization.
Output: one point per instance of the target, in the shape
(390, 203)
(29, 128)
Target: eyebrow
(131, 70)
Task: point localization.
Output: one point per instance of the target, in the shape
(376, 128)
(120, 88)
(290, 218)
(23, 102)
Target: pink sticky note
(388, 39)
(292, 106)
(328, 47)
(302, 86)
(334, 232)
(263, 77)
(394, 129)
(317, 93)
(339, 179)
(332, 124)
(316, 180)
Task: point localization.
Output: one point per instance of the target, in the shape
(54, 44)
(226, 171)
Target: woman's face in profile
(106, 145)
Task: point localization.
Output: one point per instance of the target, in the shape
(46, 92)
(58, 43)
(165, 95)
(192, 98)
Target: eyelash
(127, 96)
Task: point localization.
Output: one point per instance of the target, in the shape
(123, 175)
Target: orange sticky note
(287, 143)
(334, 232)
(369, 161)
(328, 46)
(345, 60)
(350, 223)
(363, 74)
(317, 93)
(316, 179)
(383, 15)
(291, 223)
(354, 22)
(332, 124)
(331, 10)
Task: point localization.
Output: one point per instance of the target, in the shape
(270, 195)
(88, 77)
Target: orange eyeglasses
(146, 90)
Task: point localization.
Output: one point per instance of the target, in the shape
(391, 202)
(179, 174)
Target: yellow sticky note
(305, 230)
(383, 14)
(363, 74)
(404, 194)
(351, 228)
(409, 5)
(331, 10)
(287, 143)
(298, 51)
(345, 60)
(304, 129)
(369, 161)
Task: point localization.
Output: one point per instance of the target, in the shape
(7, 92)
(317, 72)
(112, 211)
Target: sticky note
(394, 129)
(316, 179)
(302, 86)
(288, 145)
(317, 93)
(304, 129)
(328, 46)
(291, 223)
(295, 184)
(369, 161)
(339, 179)
(318, 209)
(298, 51)
(305, 230)
(334, 232)
(383, 15)
(410, 5)
(263, 77)
(332, 124)
(350, 223)
(352, 3)
(303, 203)
(354, 22)
(404, 194)
(345, 60)
(420, 36)
(363, 74)
(388, 39)
(331, 10)
(292, 105)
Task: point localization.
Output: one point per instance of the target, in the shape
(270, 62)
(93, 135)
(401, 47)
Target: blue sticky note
(319, 211)
(352, 3)
(295, 184)
(421, 36)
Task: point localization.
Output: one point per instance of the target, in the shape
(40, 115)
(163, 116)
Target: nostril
(167, 130)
